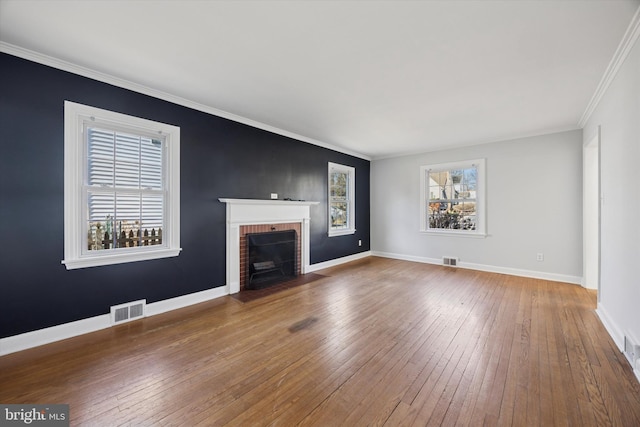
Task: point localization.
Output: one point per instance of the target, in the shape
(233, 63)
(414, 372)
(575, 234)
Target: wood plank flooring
(374, 342)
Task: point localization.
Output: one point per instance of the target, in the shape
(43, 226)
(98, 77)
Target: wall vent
(127, 312)
(450, 261)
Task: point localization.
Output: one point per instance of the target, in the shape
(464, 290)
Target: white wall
(534, 204)
(618, 114)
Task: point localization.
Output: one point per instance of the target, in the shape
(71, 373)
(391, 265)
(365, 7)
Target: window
(342, 203)
(122, 188)
(452, 198)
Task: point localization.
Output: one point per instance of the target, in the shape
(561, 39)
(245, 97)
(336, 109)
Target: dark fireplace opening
(271, 258)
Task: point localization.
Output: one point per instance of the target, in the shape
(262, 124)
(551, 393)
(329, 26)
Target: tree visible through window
(453, 197)
(341, 199)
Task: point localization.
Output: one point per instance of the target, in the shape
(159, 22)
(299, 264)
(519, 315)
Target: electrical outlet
(540, 256)
(274, 196)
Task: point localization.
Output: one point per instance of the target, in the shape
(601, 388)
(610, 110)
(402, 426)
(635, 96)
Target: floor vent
(127, 312)
(631, 350)
(450, 261)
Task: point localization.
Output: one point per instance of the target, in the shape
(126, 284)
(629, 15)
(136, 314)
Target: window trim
(74, 158)
(351, 200)
(481, 217)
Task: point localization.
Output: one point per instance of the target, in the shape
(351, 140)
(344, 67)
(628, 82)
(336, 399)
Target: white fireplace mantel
(255, 211)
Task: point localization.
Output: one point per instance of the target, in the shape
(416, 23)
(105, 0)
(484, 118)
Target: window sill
(448, 233)
(341, 232)
(98, 260)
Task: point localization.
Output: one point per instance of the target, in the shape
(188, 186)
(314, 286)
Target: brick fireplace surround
(264, 228)
(250, 216)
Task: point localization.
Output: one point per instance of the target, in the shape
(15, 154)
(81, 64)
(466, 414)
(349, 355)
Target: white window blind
(125, 190)
(122, 188)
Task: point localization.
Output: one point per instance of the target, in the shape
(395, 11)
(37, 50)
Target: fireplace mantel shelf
(267, 202)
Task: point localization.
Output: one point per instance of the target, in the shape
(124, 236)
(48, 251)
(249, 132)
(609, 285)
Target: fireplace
(246, 230)
(247, 216)
(271, 258)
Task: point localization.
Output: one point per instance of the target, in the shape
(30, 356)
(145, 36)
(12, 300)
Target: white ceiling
(378, 78)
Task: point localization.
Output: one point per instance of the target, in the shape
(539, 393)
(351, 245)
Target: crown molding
(136, 87)
(626, 44)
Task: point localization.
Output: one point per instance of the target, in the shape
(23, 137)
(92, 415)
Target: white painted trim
(184, 301)
(475, 143)
(488, 268)
(626, 44)
(616, 335)
(611, 327)
(136, 87)
(404, 257)
(257, 211)
(454, 233)
(267, 202)
(338, 261)
(351, 200)
(75, 115)
(591, 221)
(53, 334)
(481, 212)
(80, 327)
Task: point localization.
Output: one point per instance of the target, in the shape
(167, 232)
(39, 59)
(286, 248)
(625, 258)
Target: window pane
(127, 162)
(152, 211)
(339, 184)
(133, 163)
(127, 220)
(101, 215)
(339, 218)
(341, 199)
(452, 199)
(100, 157)
(151, 164)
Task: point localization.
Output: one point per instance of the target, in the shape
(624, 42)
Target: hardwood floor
(374, 342)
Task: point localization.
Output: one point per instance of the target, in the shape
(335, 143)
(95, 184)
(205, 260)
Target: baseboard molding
(185, 300)
(53, 334)
(80, 327)
(488, 268)
(337, 261)
(616, 335)
(614, 332)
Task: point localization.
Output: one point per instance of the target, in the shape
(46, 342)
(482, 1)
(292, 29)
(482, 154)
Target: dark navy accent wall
(219, 158)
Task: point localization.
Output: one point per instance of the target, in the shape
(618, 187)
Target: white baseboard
(488, 268)
(338, 261)
(53, 333)
(616, 333)
(185, 300)
(72, 329)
